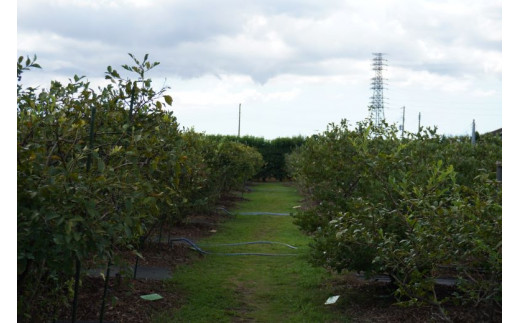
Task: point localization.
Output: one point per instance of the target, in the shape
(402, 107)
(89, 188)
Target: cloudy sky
(294, 65)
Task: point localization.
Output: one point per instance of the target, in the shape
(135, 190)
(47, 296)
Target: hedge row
(273, 153)
(415, 208)
(98, 169)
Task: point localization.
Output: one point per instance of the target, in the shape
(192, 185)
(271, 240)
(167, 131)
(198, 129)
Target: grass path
(255, 288)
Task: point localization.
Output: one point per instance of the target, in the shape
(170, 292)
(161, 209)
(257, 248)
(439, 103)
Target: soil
(372, 301)
(123, 302)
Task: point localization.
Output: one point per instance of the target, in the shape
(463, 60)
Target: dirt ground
(371, 301)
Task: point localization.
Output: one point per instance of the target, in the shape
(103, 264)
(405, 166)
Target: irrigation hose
(252, 242)
(198, 249)
(252, 213)
(264, 213)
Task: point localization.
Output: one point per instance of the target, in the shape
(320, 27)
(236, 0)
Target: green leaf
(91, 209)
(149, 200)
(101, 166)
(115, 150)
(52, 216)
(138, 254)
(168, 100)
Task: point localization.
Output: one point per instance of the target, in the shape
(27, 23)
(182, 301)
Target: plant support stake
(91, 138)
(78, 262)
(135, 266)
(76, 290)
(132, 104)
(107, 277)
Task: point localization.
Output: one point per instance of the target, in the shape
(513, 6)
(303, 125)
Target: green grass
(255, 288)
(270, 197)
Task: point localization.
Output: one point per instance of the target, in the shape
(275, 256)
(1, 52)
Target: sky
(294, 66)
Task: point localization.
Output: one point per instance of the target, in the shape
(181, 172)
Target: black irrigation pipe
(226, 211)
(197, 248)
(385, 278)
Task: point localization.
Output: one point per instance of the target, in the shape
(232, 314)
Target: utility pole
(402, 126)
(473, 136)
(239, 117)
(419, 123)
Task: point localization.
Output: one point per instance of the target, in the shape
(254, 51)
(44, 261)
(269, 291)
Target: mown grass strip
(252, 288)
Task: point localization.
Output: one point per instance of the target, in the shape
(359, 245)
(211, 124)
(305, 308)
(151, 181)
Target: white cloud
(272, 50)
(484, 93)
(230, 90)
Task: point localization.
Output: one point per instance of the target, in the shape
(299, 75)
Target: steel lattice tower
(377, 107)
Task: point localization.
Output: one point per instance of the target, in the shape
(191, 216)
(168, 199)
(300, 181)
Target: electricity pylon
(377, 107)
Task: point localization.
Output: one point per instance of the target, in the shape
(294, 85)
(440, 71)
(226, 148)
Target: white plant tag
(332, 300)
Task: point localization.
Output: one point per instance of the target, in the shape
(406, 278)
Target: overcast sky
(294, 65)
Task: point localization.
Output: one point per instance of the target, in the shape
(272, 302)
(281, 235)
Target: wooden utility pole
(402, 126)
(239, 117)
(473, 136)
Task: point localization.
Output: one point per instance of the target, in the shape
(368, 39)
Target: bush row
(273, 153)
(416, 208)
(98, 169)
